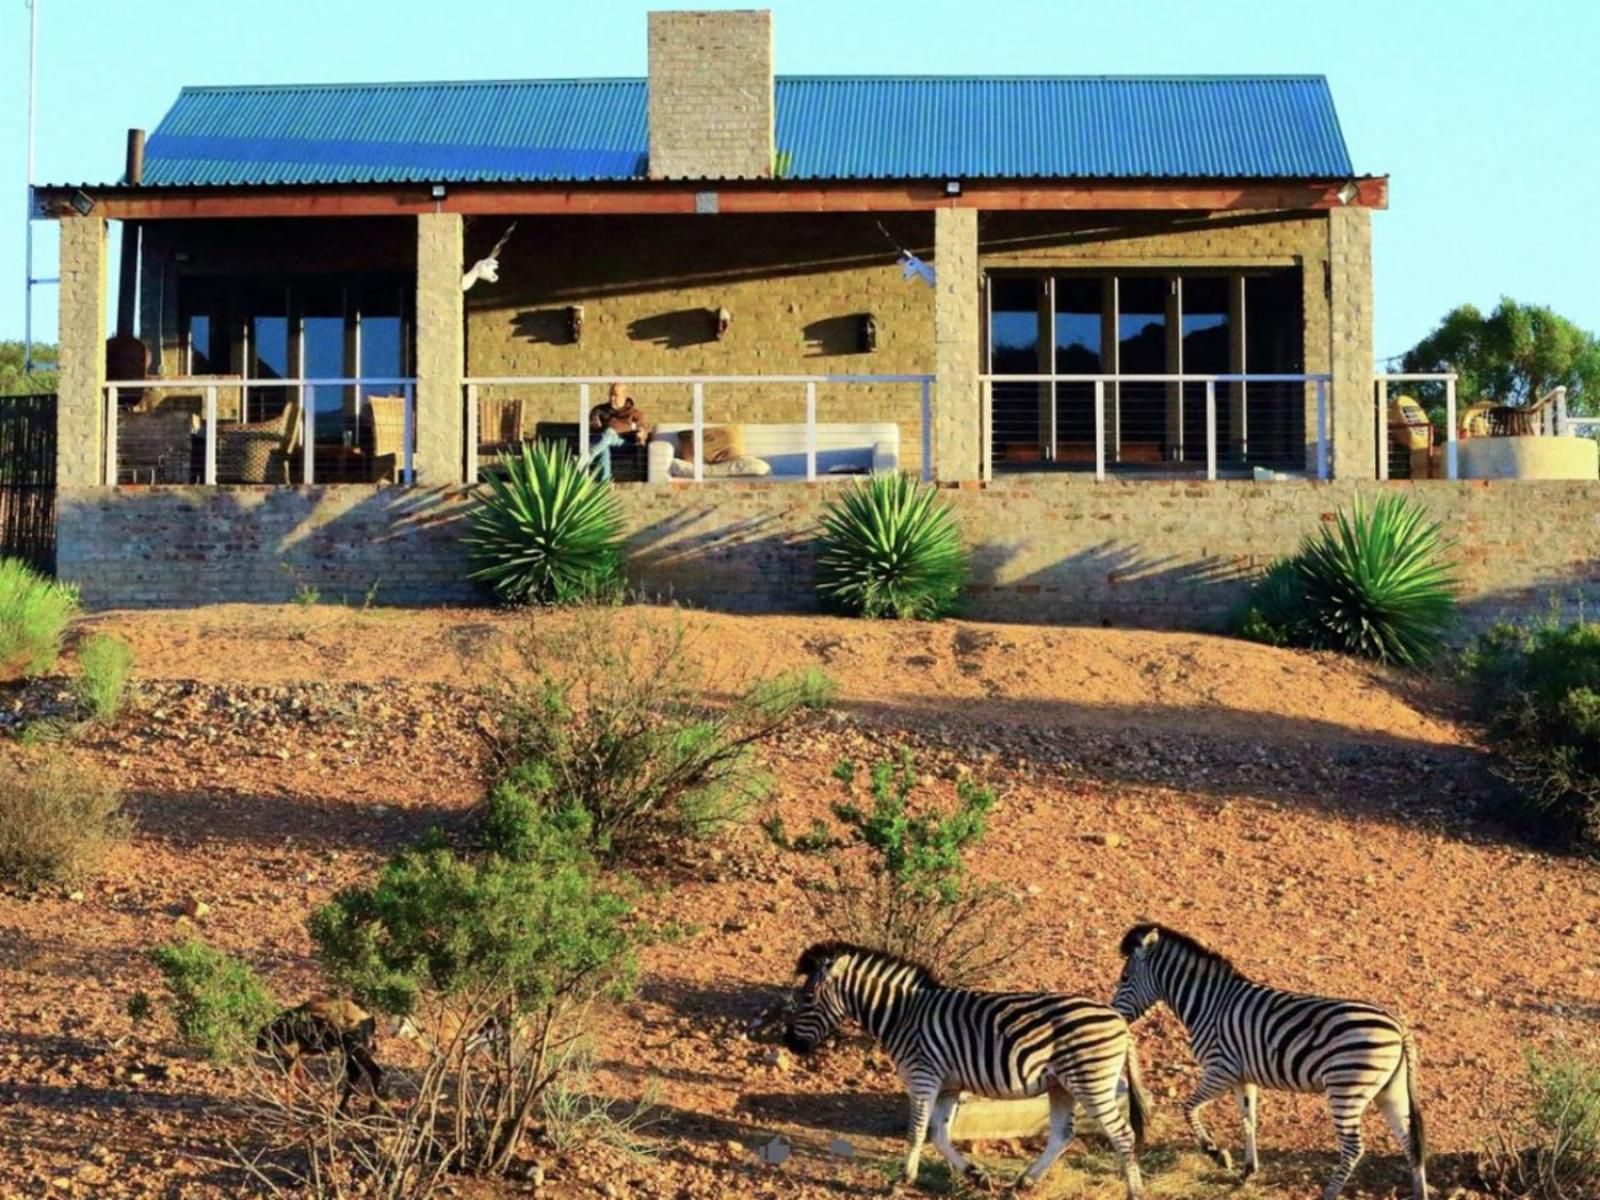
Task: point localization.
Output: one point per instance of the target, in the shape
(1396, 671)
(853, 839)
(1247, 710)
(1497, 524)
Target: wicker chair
(384, 437)
(499, 426)
(260, 451)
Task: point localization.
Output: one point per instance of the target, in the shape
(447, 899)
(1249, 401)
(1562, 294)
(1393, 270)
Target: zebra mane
(821, 953)
(1132, 939)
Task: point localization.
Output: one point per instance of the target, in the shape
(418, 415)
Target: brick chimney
(711, 106)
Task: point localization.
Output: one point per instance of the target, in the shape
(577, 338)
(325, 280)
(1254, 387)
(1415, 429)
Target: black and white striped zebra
(945, 1041)
(1247, 1036)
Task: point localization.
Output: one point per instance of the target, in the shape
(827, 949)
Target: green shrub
(105, 665)
(1377, 584)
(218, 1001)
(913, 894)
(34, 615)
(1554, 1152)
(891, 548)
(1537, 690)
(56, 820)
(547, 531)
(626, 731)
(514, 952)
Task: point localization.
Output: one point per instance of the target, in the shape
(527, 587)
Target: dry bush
(620, 721)
(56, 820)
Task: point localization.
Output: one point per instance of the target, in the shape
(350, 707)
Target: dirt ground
(1314, 819)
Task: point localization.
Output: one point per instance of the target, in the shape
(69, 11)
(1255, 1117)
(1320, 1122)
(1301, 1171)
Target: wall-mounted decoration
(866, 333)
(488, 268)
(575, 323)
(721, 318)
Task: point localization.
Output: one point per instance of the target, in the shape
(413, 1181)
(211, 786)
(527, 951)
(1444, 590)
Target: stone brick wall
(796, 288)
(80, 447)
(711, 104)
(1162, 554)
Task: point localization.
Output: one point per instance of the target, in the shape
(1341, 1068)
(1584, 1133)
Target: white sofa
(842, 449)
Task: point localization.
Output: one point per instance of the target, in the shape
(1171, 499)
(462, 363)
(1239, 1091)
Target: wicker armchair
(499, 426)
(260, 451)
(384, 437)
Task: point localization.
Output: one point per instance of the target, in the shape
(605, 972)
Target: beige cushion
(733, 468)
(723, 443)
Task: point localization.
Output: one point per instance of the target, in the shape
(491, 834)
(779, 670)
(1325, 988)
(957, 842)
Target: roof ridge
(640, 81)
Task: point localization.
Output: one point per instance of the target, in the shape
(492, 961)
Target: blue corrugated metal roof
(827, 128)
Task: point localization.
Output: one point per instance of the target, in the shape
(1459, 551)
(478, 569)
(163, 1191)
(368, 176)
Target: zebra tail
(1138, 1098)
(1419, 1137)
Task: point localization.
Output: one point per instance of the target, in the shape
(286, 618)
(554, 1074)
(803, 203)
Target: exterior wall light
(867, 333)
(437, 191)
(574, 323)
(952, 187)
(1348, 193)
(82, 203)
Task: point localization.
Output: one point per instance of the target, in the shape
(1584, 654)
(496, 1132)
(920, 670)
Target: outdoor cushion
(731, 468)
(723, 443)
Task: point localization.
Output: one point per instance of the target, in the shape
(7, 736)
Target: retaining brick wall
(1163, 554)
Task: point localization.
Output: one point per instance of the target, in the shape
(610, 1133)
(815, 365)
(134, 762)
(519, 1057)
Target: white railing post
(409, 432)
(111, 436)
(1211, 428)
(1055, 392)
(210, 468)
(927, 431)
(1099, 430)
(583, 424)
(472, 434)
(699, 432)
(308, 429)
(986, 431)
(1322, 429)
(1450, 427)
(1381, 432)
(811, 431)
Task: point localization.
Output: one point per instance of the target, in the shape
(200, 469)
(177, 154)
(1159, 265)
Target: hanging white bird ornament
(912, 266)
(488, 269)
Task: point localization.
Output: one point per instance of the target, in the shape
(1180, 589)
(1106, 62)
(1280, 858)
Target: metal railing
(585, 397)
(1158, 413)
(305, 433)
(1381, 416)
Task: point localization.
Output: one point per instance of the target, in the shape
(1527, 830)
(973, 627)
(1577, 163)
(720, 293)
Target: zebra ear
(1149, 940)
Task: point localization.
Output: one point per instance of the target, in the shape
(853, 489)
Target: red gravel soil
(1317, 820)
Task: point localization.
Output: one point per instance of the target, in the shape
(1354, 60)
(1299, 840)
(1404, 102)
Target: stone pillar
(1350, 343)
(957, 426)
(441, 350)
(80, 446)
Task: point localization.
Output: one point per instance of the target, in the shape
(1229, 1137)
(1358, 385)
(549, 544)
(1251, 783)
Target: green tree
(1515, 355)
(14, 381)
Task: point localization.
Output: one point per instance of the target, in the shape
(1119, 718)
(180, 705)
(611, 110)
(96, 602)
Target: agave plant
(890, 548)
(547, 532)
(1378, 583)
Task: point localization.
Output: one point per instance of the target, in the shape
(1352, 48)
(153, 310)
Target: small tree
(497, 963)
(1515, 355)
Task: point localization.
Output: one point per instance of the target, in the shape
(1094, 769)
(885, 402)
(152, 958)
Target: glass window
(322, 356)
(1142, 325)
(1016, 411)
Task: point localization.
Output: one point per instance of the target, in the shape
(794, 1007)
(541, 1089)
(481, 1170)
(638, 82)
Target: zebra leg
(1062, 1114)
(1099, 1100)
(916, 1133)
(1246, 1094)
(1347, 1110)
(1212, 1085)
(944, 1109)
(1395, 1104)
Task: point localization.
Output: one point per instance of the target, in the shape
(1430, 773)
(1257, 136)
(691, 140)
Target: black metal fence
(28, 479)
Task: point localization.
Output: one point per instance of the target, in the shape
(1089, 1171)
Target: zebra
(944, 1041)
(1247, 1036)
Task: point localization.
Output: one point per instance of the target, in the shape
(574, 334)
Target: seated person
(617, 422)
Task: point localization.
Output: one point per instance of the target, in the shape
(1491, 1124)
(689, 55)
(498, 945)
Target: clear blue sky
(1485, 114)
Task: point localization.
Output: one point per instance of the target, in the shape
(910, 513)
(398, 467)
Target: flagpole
(27, 301)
